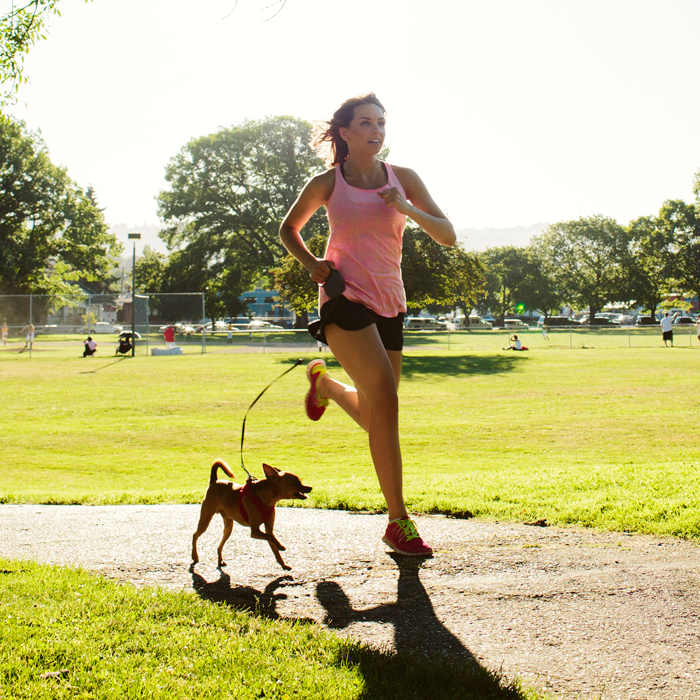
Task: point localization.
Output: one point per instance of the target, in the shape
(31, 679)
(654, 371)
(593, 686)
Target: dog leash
(287, 371)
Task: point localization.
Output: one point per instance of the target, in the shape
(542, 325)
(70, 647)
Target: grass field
(604, 437)
(70, 634)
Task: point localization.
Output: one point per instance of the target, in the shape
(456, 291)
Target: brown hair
(326, 139)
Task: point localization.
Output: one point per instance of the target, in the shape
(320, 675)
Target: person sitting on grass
(124, 347)
(515, 344)
(90, 347)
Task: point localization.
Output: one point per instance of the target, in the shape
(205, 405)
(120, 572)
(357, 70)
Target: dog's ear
(270, 472)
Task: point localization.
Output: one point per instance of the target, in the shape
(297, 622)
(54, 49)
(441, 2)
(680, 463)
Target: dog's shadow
(246, 598)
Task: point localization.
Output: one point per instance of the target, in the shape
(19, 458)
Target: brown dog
(251, 505)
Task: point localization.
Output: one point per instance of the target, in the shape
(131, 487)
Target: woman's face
(366, 132)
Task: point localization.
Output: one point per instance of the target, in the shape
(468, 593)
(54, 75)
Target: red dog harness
(247, 492)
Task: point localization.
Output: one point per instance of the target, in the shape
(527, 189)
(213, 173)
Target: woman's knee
(383, 397)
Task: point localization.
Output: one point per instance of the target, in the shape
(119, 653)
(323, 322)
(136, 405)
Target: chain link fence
(60, 324)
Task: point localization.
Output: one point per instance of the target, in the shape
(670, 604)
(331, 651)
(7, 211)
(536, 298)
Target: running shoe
(402, 536)
(314, 403)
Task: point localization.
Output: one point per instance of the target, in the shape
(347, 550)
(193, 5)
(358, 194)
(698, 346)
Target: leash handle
(287, 371)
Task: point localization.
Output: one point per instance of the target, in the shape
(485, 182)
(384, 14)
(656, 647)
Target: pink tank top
(365, 245)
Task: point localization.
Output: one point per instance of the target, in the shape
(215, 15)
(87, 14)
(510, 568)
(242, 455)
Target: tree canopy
(590, 260)
(20, 29)
(51, 230)
(228, 193)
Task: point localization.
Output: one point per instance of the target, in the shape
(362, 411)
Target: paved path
(578, 613)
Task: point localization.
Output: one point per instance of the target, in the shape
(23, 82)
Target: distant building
(266, 303)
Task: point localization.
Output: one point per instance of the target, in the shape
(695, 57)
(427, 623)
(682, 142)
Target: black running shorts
(352, 316)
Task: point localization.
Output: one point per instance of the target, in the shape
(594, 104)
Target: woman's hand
(393, 198)
(320, 270)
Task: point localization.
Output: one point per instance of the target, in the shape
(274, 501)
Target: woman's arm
(421, 207)
(315, 194)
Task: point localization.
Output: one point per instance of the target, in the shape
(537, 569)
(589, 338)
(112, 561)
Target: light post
(135, 237)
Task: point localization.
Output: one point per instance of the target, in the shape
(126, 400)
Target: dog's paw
(286, 567)
(282, 548)
(222, 563)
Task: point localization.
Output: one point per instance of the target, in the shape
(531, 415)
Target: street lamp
(135, 237)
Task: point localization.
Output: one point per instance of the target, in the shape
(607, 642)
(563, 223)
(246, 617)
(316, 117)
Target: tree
(506, 270)
(589, 258)
(228, 193)
(51, 230)
(538, 290)
(680, 222)
(151, 270)
(651, 261)
(20, 29)
(435, 274)
(292, 281)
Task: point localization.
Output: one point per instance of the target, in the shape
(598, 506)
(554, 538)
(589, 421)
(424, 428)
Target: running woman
(367, 202)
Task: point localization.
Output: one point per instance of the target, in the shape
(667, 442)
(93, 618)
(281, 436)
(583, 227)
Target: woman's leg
(374, 404)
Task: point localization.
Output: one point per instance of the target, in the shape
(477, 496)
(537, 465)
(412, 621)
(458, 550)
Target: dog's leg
(257, 534)
(275, 544)
(278, 556)
(205, 517)
(228, 527)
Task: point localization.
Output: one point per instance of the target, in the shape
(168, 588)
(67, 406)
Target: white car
(263, 326)
(416, 323)
(515, 324)
(472, 322)
(104, 327)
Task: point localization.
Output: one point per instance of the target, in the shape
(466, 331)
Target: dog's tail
(215, 469)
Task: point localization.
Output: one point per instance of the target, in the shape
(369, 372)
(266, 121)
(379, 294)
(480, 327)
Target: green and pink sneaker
(402, 536)
(314, 403)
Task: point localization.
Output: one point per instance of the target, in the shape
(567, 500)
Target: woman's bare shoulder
(408, 178)
(321, 186)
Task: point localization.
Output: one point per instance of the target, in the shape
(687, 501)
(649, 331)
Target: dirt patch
(577, 613)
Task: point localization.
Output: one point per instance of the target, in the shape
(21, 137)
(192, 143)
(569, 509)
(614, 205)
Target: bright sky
(512, 111)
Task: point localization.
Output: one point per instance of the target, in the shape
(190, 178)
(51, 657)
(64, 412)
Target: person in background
(29, 337)
(169, 336)
(515, 344)
(666, 324)
(90, 347)
(4, 332)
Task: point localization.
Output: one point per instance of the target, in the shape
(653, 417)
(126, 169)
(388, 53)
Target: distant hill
(479, 239)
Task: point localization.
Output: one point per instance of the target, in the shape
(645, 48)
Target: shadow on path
(244, 598)
(430, 661)
(416, 627)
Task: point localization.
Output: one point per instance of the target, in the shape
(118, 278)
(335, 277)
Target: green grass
(603, 437)
(115, 642)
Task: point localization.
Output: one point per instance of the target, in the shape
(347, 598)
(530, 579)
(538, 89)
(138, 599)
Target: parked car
(597, 321)
(514, 324)
(218, 327)
(473, 322)
(646, 321)
(624, 319)
(553, 321)
(258, 325)
(684, 320)
(424, 323)
(104, 327)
